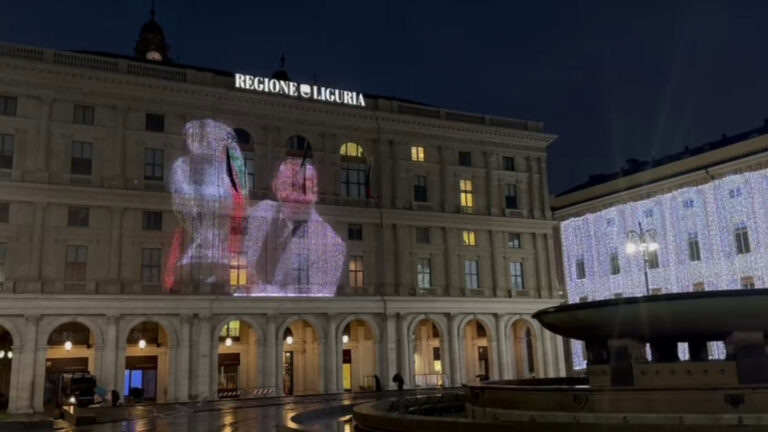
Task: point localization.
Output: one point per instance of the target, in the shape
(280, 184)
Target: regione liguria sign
(301, 91)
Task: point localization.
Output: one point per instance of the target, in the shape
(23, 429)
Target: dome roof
(151, 43)
(281, 73)
(151, 27)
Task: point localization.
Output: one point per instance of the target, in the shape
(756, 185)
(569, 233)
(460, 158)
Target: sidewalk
(25, 422)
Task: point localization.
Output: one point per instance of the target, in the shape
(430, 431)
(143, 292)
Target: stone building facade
(450, 239)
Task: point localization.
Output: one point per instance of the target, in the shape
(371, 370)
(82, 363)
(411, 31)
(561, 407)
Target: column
(535, 188)
(454, 347)
(182, 359)
(545, 188)
(452, 286)
(489, 185)
(496, 266)
(502, 348)
(194, 358)
(541, 360)
(445, 181)
(332, 366)
(389, 351)
(531, 187)
(401, 260)
(271, 357)
(115, 249)
(397, 194)
(119, 149)
(554, 286)
(109, 371)
(560, 348)
(493, 351)
(388, 250)
(45, 137)
(541, 273)
(37, 250)
(205, 350)
(24, 367)
(405, 357)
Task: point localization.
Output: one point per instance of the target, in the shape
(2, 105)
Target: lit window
(510, 196)
(470, 274)
(154, 122)
(615, 268)
(516, 275)
(150, 265)
(8, 106)
(76, 263)
(356, 273)
(513, 241)
(424, 272)
(747, 282)
(468, 238)
(153, 164)
(741, 235)
(420, 188)
(82, 158)
(417, 154)
(352, 149)
(237, 272)
(152, 221)
(78, 217)
(581, 270)
(6, 151)
(230, 330)
(694, 250)
(83, 115)
(466, 196)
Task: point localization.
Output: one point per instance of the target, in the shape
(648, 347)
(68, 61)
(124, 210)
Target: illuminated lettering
(303, 91)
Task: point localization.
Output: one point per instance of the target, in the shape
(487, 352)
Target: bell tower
(151, 43)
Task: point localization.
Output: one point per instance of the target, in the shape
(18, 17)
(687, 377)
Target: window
(250, 168)
(78, 217)
(155, 122)
(82, 158)
(468, 238)
(242, 136)
(653, 259)
(6, 151)
(238, 273)
(509, 163)
(516, 275)
(513, 241)
(417, 154)
(83, 115)
(5, 209)
(8, 106)
(150, 265)
(688, 204)
(615, 268)
(581, 270)
(420, 188)
(422, 235)
(466, 196)
(230, 330)
(648, 213)
(298, 143)
(352, 150)
(656, 291)
(76, 263)
(153, 164)
(698, 286)
(742, 239)
(465, 159)
(353, 180)
(356, 271)
(735, 192)
(152, 221)
(424, 272)
(510, 196)
(694, 251)
(355, 232)
(3, 255)
(470, 274)
(301, 268)
(747, 282)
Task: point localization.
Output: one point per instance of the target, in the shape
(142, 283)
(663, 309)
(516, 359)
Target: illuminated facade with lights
(703, 219)
(179, 238)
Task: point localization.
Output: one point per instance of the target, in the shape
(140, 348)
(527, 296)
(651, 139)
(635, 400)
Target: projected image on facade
(274, 248)
(710, 237)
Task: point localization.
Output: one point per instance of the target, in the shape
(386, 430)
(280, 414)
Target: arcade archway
(358, 356)
(147, 363)
(301, 359)
(428, 370)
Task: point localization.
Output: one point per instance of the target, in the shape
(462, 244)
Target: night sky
(614, 79)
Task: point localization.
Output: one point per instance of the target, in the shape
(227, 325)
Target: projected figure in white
(290, 249)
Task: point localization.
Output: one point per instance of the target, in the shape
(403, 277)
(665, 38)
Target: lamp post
(644, 241)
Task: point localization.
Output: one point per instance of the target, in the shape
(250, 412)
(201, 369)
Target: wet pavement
(268, 414)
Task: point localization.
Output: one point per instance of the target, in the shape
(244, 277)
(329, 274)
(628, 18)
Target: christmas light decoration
(709, 236)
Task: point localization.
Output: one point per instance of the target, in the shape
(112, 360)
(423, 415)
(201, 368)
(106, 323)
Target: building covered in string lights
(707, 206)
(186, 233)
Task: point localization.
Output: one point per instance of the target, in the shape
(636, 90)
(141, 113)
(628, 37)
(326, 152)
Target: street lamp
(643, 241)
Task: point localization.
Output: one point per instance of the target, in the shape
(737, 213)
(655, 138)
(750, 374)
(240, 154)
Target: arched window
(298, 143)
(354, 171)
(242, 136)
(352, 149)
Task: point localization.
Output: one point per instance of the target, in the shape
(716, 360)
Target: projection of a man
(209, 192)
(291, 250)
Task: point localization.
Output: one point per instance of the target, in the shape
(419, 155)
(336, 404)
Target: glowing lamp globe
(631, 248)
(289, 340)
(228, 341)
(68, 345)
(142, 344)
(345, 338)
(10, 354)
(2, 354)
